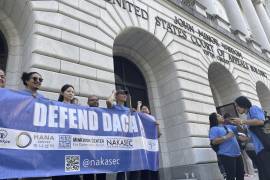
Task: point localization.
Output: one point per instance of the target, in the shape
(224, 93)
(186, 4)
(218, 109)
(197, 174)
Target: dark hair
(243, 102)
(213, 119)
(27, 76)
(63, 89)
(227, 115)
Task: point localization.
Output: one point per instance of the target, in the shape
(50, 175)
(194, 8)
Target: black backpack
(263, 133)
(215, 147)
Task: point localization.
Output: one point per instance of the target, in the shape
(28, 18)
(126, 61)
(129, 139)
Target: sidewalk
(252, 178)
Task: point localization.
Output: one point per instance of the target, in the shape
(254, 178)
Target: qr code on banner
(65, 141)
(72, 163)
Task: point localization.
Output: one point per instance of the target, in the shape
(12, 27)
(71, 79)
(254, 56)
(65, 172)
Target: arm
(110, 99)
(251, 122)
(222, 139)
(139, 105)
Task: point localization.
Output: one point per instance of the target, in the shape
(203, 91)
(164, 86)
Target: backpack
(215, 147)
(263, 133)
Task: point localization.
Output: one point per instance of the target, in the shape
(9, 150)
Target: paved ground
(252, 178)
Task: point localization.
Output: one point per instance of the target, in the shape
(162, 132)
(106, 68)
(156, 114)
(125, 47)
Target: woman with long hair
(32, 82)
(67, 94)
(228, 148)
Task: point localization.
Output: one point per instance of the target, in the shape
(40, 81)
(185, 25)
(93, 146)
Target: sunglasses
(37, 79)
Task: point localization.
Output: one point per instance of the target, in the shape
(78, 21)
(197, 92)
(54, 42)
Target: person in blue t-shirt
(255, 117)
(120, 96)
(32, 82)
(229, 150)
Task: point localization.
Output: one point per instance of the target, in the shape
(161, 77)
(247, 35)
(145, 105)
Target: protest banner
(42, 138)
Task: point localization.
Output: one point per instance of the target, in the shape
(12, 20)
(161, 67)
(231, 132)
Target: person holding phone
(255, 117)
(228, 150)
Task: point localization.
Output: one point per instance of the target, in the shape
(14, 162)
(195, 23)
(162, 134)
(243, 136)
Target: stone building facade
(194, 56)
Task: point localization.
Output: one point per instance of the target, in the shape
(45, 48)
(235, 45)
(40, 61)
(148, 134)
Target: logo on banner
(23, 140)
(119, 143)
(3, 136)
(87, 142)
(151, 145)
(65, 141)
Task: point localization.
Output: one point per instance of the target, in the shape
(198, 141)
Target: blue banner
(42, 138)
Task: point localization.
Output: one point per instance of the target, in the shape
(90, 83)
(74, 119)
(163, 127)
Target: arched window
(3, 51)
(129, 77)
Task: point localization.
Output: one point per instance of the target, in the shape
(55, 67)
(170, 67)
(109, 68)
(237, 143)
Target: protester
(255, 117)
(248, 166)
(32, 82)
(93, 101)
(228, 147)
(2, 78)
(147, 174)
(67, 94)
(120, 96)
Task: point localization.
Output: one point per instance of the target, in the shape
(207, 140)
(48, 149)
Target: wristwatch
(224, 137)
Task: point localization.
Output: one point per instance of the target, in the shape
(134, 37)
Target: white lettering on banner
(72, 118)
(93, 120)
(125, 122)
(133, 125)
(40, 113)
(116, 121)
(61, 117)
(52, 116)
(107, 122)
(100, 162)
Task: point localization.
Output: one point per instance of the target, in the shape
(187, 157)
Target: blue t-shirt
(120, 107)
(230, 146)
(28, 92)
(233, 128)
(256, 112)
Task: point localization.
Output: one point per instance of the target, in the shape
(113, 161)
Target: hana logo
(23, 140)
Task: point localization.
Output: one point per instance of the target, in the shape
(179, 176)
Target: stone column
(235, 16)
(264, 18)
(210, 6)
(255, 24)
